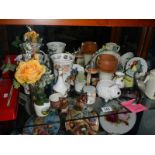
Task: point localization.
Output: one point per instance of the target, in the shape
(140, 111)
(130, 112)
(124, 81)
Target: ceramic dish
(51, 128)
(119, 123)
(82, 126)
(144, 66)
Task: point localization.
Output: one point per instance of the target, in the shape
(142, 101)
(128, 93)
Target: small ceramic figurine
(81, 101)
(107, 89)
(61, 86)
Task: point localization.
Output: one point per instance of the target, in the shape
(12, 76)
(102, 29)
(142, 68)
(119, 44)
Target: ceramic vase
(42, 110)
(63, 61)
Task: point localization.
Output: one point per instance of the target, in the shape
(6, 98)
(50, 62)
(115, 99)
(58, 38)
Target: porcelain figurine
(107, 89)
(60, 86)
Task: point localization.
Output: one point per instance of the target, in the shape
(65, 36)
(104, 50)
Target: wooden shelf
(145, 40)
(81, 22)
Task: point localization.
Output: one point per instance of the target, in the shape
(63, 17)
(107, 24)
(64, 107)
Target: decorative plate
(48, 125)
(126, 57)
(79, 126)
(143, 66)
(118, 123)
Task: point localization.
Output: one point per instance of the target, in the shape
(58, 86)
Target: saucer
(48, 125)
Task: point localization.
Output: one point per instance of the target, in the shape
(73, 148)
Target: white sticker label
(5, 95)
(106, 109)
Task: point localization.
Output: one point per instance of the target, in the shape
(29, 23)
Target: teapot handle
(118, 48)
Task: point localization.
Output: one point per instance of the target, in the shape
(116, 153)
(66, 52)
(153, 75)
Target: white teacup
(112, 46)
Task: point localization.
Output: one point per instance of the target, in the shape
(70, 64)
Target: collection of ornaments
(91, 72)
(95, 71)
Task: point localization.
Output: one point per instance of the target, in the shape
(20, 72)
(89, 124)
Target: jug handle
(147, 78)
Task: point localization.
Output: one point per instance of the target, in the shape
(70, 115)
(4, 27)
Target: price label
(5, 95)
(106, 109)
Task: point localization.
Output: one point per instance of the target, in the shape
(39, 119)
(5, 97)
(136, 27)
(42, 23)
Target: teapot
(148, 85)
(108, 89)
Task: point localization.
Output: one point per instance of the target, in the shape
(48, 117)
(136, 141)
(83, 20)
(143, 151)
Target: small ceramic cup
(112, 46)
(42, 110)
(55, 100)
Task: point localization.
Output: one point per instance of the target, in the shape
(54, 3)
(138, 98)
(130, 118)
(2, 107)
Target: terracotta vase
(107, 63)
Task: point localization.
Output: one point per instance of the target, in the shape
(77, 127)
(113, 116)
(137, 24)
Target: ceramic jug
(149, 82)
